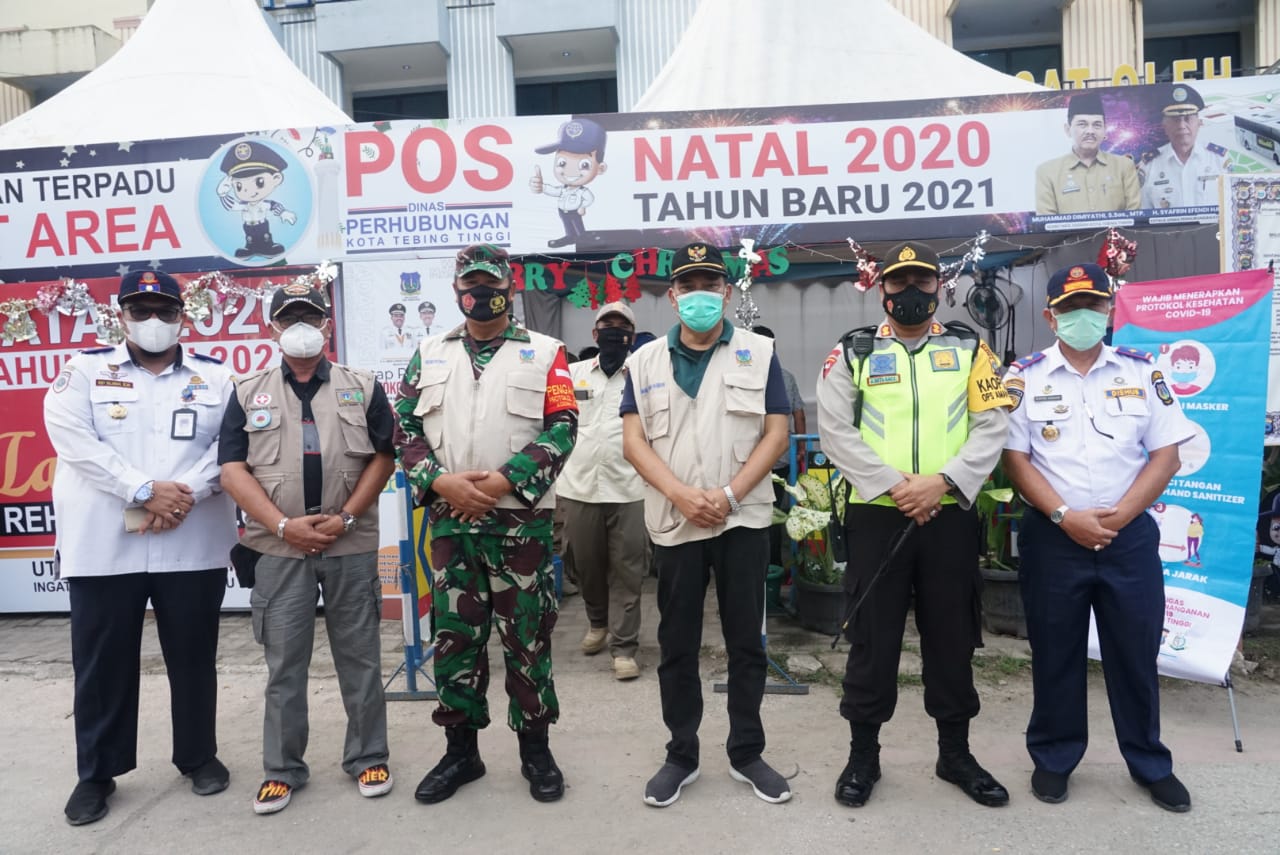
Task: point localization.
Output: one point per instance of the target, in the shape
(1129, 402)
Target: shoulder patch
(1027, 361)
(204, 357)
(1162, 389)
(106, 349)
(1134, 353)
(832, 358)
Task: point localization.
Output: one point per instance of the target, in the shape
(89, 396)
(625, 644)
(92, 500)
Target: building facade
(435, 59)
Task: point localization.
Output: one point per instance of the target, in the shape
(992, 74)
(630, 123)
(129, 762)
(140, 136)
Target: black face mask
(911, 306)
(482, 303)
(614, 343)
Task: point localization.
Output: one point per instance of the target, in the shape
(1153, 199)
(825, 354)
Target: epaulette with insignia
(204, 357)
(1134, 353)
(1027, 361)
(106, 349)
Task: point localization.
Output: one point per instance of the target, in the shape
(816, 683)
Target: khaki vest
(480, 424)
(704, 441)
(915, 406)
(275, 452)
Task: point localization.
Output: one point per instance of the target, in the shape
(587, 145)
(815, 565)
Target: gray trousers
(610, 551)
(284, 619)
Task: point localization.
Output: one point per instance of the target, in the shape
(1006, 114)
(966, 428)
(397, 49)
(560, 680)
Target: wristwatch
(1059, 514)
(145, 492)
(349, 521)
(734, 507)
(951, 485)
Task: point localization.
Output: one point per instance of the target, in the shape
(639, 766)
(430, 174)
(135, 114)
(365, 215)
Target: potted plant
(815, 523)
(998, 507)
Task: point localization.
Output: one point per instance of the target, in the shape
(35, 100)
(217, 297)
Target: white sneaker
(625, 668)
(595, 640)
(375, 781)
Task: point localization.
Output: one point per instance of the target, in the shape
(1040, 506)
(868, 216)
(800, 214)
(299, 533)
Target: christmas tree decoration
(747, 312)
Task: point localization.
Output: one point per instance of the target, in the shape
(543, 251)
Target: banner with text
(1207, 332)
(606, 183)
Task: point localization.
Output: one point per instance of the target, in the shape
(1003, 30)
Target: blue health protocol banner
(1207, 333)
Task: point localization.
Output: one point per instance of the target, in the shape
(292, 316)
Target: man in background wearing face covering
(305, 451)
(135, 428)
(1092, 444)
(914, 415)
(603, 499)
(487, 418)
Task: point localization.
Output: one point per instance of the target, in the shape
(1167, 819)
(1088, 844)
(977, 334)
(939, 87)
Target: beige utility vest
(275, 452)
(704, 441)
(479, 424)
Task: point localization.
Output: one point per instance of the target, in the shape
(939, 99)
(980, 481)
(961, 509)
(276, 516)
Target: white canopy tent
(776, 53)
(194, 67)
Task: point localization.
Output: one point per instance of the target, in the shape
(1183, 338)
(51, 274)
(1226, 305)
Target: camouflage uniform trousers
(480, 579)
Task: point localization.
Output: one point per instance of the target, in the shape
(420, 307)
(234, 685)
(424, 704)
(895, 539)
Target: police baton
(894, 548)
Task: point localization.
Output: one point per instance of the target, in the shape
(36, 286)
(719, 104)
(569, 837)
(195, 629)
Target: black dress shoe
(1170, 794)
(1049, 787)
(561, 241)
(212, 777)
(963, 771)
(856, 782)
(88, 802)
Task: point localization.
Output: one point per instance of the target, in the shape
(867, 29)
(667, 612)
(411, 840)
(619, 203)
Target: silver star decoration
(69, 150)
(122, 269)
(64, 162)
(125, 146)
(93, 152)
(153, 264)
(20, 164)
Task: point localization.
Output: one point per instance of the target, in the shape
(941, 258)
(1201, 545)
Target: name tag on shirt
(184, 424)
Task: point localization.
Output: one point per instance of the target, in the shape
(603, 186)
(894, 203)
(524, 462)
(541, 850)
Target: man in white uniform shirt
(604, 498)
(1183, 173)
(1093, 442)
(141, 515)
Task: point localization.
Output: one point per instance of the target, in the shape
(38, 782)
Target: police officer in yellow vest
(914, 416)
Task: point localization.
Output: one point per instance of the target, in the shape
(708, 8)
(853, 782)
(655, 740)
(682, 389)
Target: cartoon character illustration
(1195, 531)
(1186, 365)
(579, 158)
(253, 172)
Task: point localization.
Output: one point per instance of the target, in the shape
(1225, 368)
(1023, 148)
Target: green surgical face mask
(1081, 329)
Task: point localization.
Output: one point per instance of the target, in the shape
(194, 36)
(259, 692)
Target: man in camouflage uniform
(487, 418)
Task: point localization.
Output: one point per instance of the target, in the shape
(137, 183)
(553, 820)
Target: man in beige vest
(486, 419)
(603, 499)
(704, 418)
(305, 450)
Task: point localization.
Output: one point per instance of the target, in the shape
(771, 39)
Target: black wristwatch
(951, 485)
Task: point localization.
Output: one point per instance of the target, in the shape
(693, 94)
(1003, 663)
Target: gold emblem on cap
(1179, 93)
(243, 151)
(1050, 433)
(296, 289)
(1076, 273)
(697, 253)
(907, 254)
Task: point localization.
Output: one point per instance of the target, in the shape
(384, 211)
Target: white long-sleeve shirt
(104, 460)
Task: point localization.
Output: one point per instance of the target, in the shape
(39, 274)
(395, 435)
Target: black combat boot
(546, 783)
(860, 774)
(460, 765)
(957, 766)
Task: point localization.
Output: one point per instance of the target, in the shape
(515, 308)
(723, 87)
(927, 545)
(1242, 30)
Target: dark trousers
(737, 557)
(106, 641)
(939, 564)
(572, 222)
(1124, 585)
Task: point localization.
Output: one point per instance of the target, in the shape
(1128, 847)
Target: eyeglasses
(286, 321)
(168, 314)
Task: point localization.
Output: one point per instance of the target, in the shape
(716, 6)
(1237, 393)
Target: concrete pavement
(609, 741)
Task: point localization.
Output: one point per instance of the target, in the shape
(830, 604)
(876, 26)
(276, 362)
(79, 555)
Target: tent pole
(1235, 722)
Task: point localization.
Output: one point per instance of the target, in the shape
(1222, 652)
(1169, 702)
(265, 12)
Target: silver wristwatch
(349, 521)
(1059, 514)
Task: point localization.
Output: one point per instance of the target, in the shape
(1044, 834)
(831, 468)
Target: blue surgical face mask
(1182, 376)
(701, 310)
(1081, 329)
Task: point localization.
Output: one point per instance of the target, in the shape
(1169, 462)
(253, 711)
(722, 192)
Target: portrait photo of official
(1087, 178)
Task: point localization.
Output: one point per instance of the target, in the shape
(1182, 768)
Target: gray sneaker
(766, 783)
(664, 787)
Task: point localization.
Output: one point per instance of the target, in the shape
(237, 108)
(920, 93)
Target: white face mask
(154, 335)
(302, 341)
